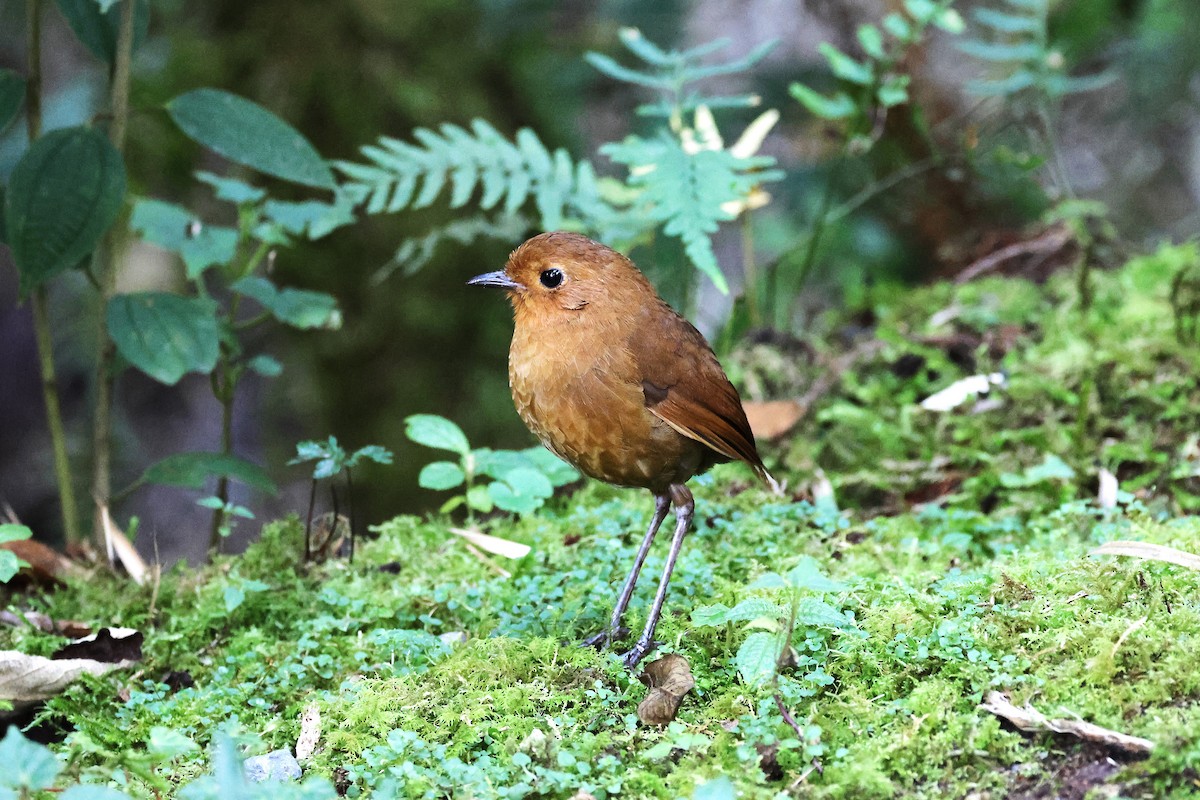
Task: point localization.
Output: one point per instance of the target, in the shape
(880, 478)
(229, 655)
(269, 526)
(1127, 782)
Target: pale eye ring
(551, 278)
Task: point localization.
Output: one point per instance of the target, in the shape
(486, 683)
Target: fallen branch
(1152, 552)
(1031, 720)
(1044, 245)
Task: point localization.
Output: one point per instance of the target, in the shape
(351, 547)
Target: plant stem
(104, 261)
(750, 272)
(41, 303)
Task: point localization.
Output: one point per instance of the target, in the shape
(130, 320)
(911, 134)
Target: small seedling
(331, 460)
(519, 481)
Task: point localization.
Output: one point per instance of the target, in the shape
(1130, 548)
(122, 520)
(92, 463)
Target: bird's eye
(551, 278)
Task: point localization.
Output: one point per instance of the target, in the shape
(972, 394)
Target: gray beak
(498, 278)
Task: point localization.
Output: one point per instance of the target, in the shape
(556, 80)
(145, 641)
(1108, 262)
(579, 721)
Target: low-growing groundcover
(435, 675)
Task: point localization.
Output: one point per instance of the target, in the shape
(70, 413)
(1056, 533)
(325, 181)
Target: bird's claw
(639, 651)
(605, 637)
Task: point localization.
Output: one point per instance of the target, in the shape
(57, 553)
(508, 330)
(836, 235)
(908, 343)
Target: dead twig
(1031, 720)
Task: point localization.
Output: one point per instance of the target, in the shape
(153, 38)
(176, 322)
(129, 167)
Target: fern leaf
(614, 70)
(406, 186)
(647, 50)
(1007, 23)
(1000, 52)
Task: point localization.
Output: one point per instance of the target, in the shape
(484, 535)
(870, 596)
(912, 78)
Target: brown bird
(615, 382)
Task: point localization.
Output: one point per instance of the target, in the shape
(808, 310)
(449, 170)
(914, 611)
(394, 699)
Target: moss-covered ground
(960, 557)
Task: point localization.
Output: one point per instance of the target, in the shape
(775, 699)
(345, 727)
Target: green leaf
(265, 365)
(506, 498)
(192, 470)
(1010, 84)
(898, 26)
(299, 308)
(1006, 23)
(28, 766)
(310, 217)
(529, 482)
(558, 471)
(12, 94)
(98, 27)
(814, 613)
(249, 134)
(893, 91)
(62, 196)
(437, 432)
(756, 658)
(949, 20)
(768, 580)
(372, 452)
(165, 335)
(1002, 53)
(440, 476)
(174, 228)
(710, 616)
(755, 607)
(168, 743)
(845, 67)
(807, 575)
(872, 41)
(480, 499)
(839, 106)
(720, 788)
(231, 189)
(12, 532)
(921, 10)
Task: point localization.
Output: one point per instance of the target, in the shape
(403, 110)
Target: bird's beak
(499, 278)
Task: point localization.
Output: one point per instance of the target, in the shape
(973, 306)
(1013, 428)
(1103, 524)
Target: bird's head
(566, 272)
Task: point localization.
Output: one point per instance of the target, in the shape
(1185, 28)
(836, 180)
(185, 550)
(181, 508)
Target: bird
(615, 382)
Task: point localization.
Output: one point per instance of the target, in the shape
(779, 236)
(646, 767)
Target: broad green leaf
(755, 607)
(807, 575)
(11, 532)
(231, 189)
(756, 658)
(299, 308)
(839, 106)
(437, 432)
(62, 196)
(165, 335)
(28, 766)
(97, 27)
(529, 482)
(845, 67)
(169, 743)
(192, 470)
(440, 476)
(558, 471)
(249, 134)
(310, 217)
(768, 580)
(509, 500)
(720, 788)
(174, 228)
(12, 94)
(710, 616)
(814, 613)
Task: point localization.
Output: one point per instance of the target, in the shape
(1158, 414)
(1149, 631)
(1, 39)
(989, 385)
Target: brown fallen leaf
(26, 677)
(67, 627)
(121, 549)
(772, 418)
(669, 679)
(1030, 719)
(47, 566)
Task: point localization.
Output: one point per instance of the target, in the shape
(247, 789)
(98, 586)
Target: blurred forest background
(925, 201)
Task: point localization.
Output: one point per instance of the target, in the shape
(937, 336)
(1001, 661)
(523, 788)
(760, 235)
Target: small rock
(278, 765)
(453, 638)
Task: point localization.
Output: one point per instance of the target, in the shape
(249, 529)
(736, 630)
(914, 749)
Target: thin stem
(104, 263)
(750, 272)
(822, 219)
(41, 303)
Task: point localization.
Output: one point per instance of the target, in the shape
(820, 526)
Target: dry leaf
(310, 733)
(1106, 495)
(961, 391)
(493, 544)
(773, 418)
(669, 679)
(26, 677)
(121, 549)
(1152, 552)
(1030, 719)
(46, 567)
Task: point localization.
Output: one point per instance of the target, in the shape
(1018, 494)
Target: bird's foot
(605, 637)
(640, 650)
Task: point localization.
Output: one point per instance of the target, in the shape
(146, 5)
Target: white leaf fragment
(963, 390)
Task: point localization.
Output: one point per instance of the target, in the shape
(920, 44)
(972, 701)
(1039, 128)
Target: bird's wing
(685, 386)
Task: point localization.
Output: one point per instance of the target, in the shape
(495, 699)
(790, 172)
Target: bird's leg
(662, 504)
(684, 506)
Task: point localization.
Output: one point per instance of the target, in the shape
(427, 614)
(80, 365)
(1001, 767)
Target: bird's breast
(577, 388)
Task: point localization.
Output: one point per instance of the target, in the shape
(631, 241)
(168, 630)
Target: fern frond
(477, 163)
(690, 193)
(414, 253)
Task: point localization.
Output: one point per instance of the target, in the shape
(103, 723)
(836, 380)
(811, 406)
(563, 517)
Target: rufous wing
(685, 386)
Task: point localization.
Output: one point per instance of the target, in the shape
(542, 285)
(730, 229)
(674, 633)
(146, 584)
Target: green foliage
(247, 133)
(191, 471)
(679, 178)
(332, 459)
(9, 563)
(95, 24)
(877, 82)
(521, 480)
(772, 624)
(62, 196)
(28, 766)
(1019, 54)
(165, 335)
